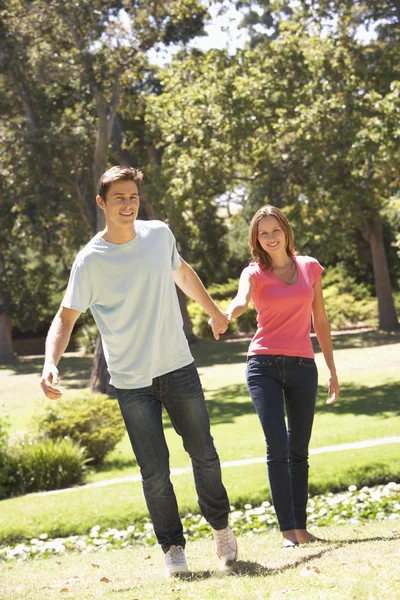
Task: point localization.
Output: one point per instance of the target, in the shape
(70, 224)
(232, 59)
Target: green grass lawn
(360, 562)
(77, 510)
(368, 367)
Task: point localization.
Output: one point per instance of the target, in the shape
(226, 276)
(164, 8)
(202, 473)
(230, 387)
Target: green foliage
(64, 68)
(307, 122)
(4, 427)
(223, 293)
(344, 311)
(36, 465)
(92, 420)
(86, 335)
(347, 302)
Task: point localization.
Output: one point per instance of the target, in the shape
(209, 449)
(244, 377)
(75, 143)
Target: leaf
(95, 566)
(310, 570)
(105, 580)
(64, 590)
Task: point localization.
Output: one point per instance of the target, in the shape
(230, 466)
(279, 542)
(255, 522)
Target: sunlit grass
(359, 562)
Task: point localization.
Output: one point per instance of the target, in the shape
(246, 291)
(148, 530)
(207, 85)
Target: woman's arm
(323, 331)
(240, 303)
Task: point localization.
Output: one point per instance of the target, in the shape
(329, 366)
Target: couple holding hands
(126, 275)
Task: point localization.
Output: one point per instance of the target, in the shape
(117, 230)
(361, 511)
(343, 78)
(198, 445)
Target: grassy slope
(359, 563)
(368, 409)
(77, 510)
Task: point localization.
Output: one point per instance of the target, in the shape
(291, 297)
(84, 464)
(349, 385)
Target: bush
(34, 465)
(86, 336)
(247, 323)
(347, 302)
(223, 293)
(93, 420)
(4, 426)
(344, 310)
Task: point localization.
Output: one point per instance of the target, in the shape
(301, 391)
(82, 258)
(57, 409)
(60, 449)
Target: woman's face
(271, 235)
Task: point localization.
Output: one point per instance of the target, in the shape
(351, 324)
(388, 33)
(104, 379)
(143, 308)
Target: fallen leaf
(95, 566)
(310, 570)
(72, 581)
(105, 580)
(64, 590)
(147, 557)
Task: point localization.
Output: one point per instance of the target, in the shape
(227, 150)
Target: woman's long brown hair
(257, 252)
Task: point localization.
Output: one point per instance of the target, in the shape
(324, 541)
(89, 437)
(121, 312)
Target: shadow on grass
(254, 569)
(210, 352)
(383, 400)
(365, 339)
(74, 370)
(233, 401)
(206, 352)
(116, 464)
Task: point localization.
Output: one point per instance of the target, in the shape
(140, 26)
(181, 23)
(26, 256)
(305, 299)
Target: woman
(281, 372)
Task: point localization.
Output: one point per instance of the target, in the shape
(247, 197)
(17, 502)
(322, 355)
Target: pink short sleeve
(317, 270)
(253, 269)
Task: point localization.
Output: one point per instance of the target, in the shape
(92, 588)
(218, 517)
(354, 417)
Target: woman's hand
(333, 388)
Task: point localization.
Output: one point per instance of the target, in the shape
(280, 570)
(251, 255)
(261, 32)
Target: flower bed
(356, 506)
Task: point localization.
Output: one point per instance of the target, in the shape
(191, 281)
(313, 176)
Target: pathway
(236, 463)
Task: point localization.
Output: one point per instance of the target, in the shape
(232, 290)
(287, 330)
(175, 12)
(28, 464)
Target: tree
(65, 62)
(306, 121)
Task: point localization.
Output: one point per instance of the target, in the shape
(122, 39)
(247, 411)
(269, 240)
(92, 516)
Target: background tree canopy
(304, 116)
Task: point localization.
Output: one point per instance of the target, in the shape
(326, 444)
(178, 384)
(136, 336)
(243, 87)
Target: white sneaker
(226, 546)
(175, 561)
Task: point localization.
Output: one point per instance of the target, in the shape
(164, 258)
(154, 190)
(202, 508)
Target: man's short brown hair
(118, 173)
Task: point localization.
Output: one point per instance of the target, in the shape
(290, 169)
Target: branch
(114, 102)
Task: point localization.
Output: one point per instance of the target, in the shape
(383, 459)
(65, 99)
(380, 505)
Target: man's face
(122, 205)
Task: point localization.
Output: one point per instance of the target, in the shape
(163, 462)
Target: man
(126, 275)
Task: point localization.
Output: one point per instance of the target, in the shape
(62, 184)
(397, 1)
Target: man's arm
(189, 282)
(56, 343)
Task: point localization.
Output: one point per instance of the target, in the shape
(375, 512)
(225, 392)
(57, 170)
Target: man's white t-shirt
(131, 292)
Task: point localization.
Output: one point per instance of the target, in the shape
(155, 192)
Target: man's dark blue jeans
(277, 383)
(181, 394)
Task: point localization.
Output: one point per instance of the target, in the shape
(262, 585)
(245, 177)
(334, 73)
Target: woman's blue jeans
(181, 394)
(277, 383)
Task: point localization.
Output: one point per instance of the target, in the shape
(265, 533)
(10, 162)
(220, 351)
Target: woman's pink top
(284, 311)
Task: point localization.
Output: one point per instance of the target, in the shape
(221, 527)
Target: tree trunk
(187, 323)
(100, 378)
(6, 348)
(383, 287)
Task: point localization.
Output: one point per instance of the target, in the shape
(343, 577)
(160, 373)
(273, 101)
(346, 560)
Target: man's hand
(49, 380)
(219, 323)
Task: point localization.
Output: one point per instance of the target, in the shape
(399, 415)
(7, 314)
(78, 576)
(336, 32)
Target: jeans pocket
(306, 362)
(260, 361)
